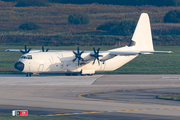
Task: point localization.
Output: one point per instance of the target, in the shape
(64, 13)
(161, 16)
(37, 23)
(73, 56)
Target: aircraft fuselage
(61, 62)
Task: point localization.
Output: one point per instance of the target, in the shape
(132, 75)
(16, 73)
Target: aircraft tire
(68, 74)
(28, 74)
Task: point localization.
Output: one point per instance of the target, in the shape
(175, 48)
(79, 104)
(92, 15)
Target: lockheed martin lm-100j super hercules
(88, 62)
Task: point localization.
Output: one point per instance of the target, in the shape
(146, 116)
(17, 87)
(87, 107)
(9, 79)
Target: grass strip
(170, 97)
(143, 64)
(8, 116)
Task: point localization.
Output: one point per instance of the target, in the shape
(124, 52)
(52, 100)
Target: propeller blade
(42, 48)
(22, 51)
(96, 55)
(74, 59)
(75, 53)
(98, 60)
(94, 61)
(92, 55)
(81, 52)
(98, 50)
(25, 48)
(78, 49)
(29, 50)
(82, 59)
(78, 62)
(94, 50)
(78, 56)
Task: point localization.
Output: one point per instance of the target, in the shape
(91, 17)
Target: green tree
(29, 26)
(9, 0)
(107, 26)
(26, 3)
(125, 27)
(172, 16)
(78, 19)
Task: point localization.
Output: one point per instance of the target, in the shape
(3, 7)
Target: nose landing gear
(28, 74)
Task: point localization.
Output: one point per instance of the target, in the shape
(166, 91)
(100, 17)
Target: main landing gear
(75, 74)
(28, 74)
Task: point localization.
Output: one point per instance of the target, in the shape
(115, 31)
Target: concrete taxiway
(99, 95)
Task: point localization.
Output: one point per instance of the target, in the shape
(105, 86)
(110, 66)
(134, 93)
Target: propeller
(78, 55)
(96, 55)
(44, 50)
(25, 50)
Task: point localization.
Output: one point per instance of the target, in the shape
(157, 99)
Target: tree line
(114, 2)
(84, 40)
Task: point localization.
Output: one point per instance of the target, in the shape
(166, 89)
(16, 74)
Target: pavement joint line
(117, 111)
(43, 107)
(83, 95)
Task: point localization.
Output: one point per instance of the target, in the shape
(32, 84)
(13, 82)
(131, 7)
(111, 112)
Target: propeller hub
(96, 55)
(78, 56)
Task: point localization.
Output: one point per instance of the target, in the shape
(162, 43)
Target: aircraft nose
(19, 66)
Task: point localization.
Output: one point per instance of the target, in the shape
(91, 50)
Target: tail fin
(142, 37)
(141, 42)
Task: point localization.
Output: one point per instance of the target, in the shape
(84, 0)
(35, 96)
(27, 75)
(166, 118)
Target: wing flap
(123, 53)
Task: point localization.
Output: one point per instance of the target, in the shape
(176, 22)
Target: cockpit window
(23, 57)
(27, 57)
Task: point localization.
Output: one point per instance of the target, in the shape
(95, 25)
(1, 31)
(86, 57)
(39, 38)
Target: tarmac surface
(99, 96)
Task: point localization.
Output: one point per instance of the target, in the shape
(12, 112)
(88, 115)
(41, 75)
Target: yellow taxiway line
(93, 112)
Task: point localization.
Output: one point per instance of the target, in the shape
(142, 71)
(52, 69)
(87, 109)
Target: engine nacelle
(107, 57)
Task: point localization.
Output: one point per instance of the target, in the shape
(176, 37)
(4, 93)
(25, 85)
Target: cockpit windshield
(26, 57)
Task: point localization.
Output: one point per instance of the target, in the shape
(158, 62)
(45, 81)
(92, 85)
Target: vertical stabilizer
(142, 37)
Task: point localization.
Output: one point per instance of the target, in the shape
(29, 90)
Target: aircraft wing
(16, 50)
(123, 53)
(12, 50)
(139, 53)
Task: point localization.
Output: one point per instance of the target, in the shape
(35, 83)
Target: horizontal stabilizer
(156, 52)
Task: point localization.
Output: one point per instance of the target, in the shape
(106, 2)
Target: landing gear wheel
(28, 74)
(74, 74)
(89, 74)
(68, 74)
(83, 74)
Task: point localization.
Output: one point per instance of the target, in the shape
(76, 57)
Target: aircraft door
(41, 67)
(103, 66)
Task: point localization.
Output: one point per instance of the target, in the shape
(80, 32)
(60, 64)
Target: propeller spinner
(96, 55)
(78, 56)
(25, 50)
